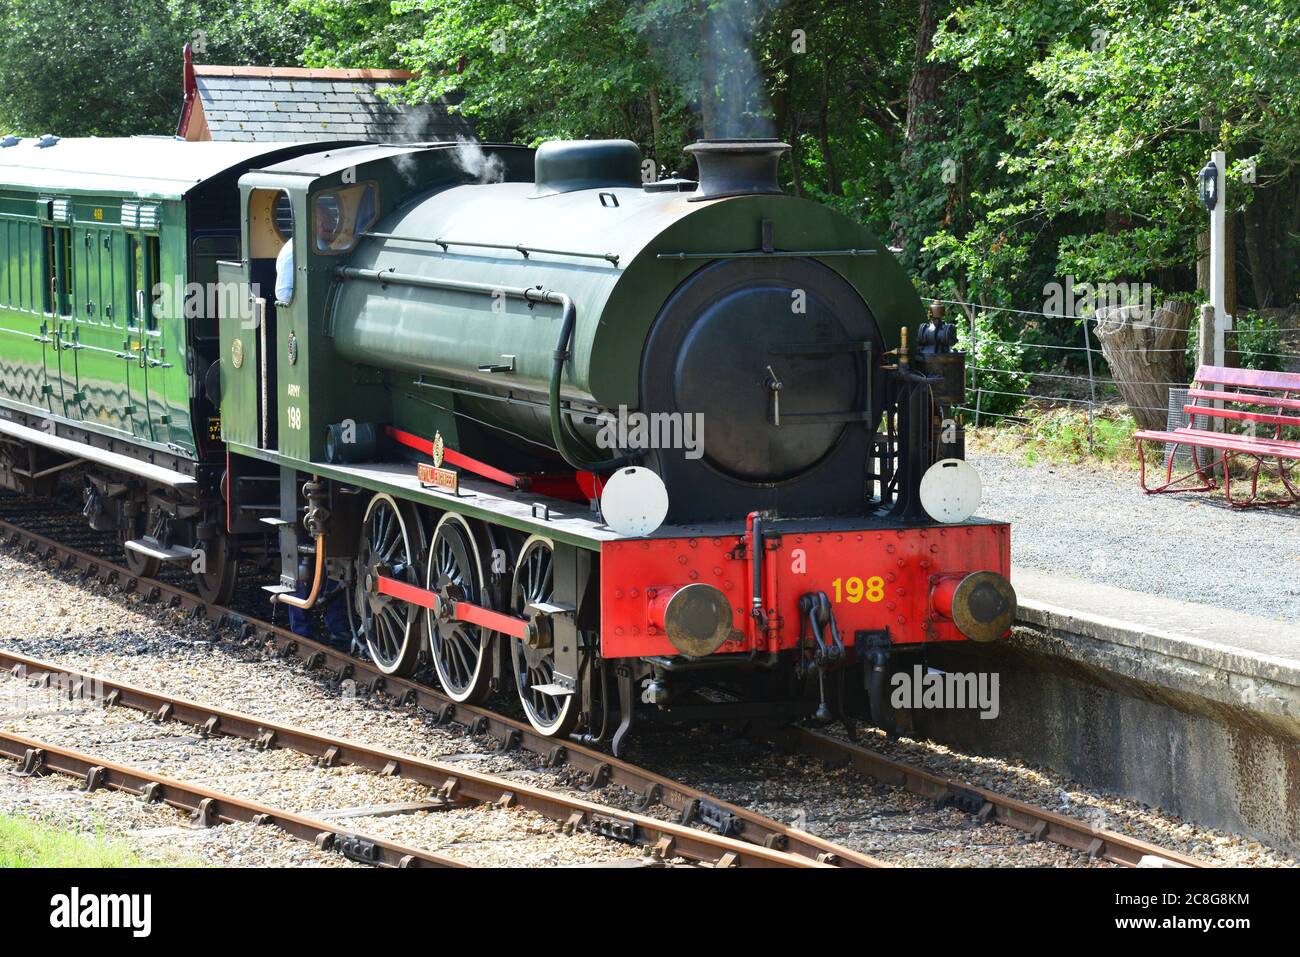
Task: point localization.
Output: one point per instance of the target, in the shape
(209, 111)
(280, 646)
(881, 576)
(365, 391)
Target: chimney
(739, 167)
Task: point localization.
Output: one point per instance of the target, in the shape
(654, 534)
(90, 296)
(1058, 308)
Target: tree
(1107, 108)
(113, 67)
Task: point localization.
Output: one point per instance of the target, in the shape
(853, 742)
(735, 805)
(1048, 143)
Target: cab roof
(331, 159)
(147, 167)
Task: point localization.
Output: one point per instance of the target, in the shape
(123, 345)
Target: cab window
(340, 216)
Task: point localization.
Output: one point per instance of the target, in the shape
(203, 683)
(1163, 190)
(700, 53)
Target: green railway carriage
(108, 262)
(100, 241)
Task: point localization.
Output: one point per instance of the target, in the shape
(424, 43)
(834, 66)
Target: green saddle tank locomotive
(678, 449)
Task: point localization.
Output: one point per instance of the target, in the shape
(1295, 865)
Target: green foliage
(27, 843)
(1104, 110)
(113, 67)
(1068, 434)
(994, 363)
(1259, 342)
(1256, 339)
(356, 33)
(536, 70)
(1056, 434)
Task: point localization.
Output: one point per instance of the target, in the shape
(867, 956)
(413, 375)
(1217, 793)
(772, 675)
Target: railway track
(208, 807)
(985, 805)
(743, 837)
(599, 769)
(449, 786)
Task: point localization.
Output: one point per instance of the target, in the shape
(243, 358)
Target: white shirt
(284, 274)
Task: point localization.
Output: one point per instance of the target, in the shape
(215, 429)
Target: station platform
(1235, 658)
(1187, 707)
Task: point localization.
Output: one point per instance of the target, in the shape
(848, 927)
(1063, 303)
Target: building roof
(149, 167)
(282, 104)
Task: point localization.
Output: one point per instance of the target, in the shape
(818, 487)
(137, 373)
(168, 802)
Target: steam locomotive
(639, 448)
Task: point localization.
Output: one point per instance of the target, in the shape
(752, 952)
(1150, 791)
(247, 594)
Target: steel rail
(210, 807)
(603, 769)
(449, 785)
(1039, 823)
(598, 768)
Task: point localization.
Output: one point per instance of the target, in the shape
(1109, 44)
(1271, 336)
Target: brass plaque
(431, 476)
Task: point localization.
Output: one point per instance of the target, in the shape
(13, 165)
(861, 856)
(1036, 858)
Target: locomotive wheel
(217, 584)
(460, 651)
(534, 581)
(390, 547)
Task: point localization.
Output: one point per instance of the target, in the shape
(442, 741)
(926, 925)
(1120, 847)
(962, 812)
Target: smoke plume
(469, 156)
(707, 48)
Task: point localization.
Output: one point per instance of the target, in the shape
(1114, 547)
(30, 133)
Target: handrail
(774, 254)
(517, 247)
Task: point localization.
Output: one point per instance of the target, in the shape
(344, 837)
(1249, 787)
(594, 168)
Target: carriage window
(207, 251)
(340, 216)
(50, 273)
(64, 263)
(136, 280)
(153, 262)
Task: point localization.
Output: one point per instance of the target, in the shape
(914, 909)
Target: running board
(153, 549)
(79, 450)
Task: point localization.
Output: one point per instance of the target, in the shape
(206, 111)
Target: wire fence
(1092, 390)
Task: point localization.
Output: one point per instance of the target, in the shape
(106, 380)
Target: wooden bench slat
(1270, 448)
(1249, 378)
(1245, 398)
(1240, 415)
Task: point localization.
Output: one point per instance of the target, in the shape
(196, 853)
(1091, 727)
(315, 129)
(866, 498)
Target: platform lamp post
(1212, 197)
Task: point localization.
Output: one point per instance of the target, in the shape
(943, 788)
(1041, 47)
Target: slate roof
(278, 104)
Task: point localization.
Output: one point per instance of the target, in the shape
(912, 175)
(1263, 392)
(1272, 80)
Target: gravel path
(1099, 526)
(45, 615)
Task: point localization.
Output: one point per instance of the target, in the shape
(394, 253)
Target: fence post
(1092, 382)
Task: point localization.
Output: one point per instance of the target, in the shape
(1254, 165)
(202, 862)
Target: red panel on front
(875, 579)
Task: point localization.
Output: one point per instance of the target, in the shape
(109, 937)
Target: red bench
(1269, 402)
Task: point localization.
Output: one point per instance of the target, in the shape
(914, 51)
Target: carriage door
(68, 399)
(114, 309)
(207, 252)
(104, 356)
(29, 286)
(153, 297)
(138, 317)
